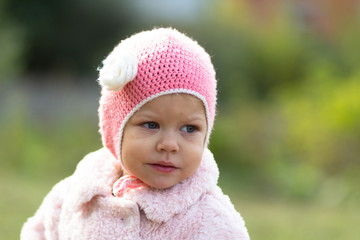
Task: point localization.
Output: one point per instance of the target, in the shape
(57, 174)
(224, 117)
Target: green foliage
(289, 114)
(322, 118)
(41, 150)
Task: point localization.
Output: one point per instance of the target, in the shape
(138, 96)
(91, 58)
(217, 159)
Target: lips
(164, 167)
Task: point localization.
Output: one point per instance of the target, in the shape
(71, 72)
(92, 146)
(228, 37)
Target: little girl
(155, 177)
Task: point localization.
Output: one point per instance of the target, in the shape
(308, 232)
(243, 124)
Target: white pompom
(119, 68)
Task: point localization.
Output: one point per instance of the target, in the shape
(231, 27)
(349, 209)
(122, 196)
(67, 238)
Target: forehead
(174, 103)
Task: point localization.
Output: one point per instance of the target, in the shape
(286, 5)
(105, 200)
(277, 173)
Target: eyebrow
(145, 113)
(196, 116)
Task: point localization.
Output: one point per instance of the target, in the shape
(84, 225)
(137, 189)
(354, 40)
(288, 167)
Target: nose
(168, 143)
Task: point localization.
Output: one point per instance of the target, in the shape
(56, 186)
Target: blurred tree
(68, 35)
(12, 44)
(261, 47)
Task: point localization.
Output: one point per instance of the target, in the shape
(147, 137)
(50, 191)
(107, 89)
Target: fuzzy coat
(82, 207)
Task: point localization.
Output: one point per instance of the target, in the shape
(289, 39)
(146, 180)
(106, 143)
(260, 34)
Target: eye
(189, 128)
(151, 125)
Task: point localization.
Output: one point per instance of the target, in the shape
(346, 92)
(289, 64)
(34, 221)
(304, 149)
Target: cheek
(134, 152)
(129, 152)
(129, 141)
(196, 146)
(130, 158)
(194, 156)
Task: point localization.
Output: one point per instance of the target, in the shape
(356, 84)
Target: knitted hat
(148, 65)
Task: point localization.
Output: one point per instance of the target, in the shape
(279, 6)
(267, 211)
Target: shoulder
(219, 218)
(93, 176)
(95, 163)
(101, 160)
(101, 165)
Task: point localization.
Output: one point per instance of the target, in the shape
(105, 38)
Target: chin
(161, 185)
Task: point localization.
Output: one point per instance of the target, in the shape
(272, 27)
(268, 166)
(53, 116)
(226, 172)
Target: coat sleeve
(43, 225)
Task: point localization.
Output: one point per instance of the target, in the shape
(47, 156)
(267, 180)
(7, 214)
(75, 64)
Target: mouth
(164, 167)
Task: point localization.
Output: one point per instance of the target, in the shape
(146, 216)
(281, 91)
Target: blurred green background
(287, 133)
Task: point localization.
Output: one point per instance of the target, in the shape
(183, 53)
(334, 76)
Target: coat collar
(98, 171)
(159, 205)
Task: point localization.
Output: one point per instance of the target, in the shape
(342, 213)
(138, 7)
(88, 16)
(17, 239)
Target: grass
(278, 219)
(266, 218)
(19, 199)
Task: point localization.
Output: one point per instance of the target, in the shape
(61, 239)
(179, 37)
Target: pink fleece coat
(82, 207)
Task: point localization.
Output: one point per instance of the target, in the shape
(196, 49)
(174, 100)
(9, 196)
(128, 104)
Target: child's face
(163, 141)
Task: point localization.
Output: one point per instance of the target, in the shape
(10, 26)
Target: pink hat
(148, 65)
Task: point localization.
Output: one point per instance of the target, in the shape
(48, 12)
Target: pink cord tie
(126, 183)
